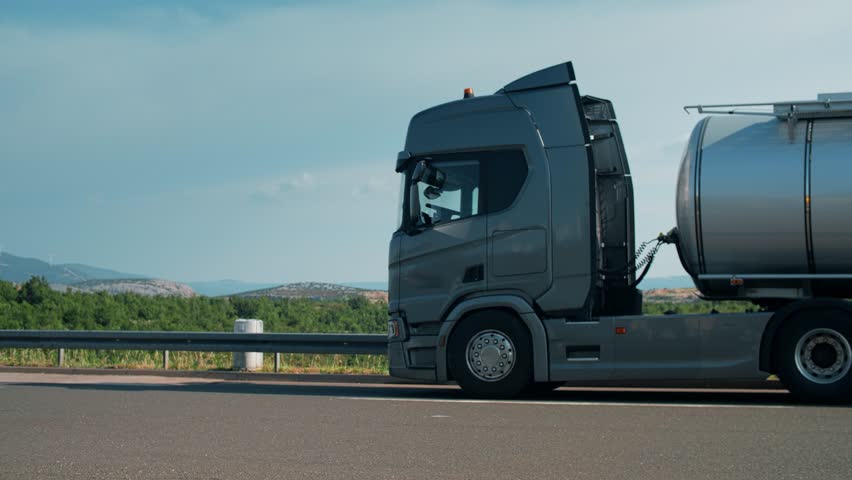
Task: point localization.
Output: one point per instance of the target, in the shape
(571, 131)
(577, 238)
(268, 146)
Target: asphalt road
(63, 426)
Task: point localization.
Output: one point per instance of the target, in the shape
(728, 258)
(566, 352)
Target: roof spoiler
(562, 74)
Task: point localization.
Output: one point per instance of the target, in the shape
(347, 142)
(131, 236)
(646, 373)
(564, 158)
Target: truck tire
(490, 355)
(814, 356)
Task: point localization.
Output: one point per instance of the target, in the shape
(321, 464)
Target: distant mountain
(96, 273)
(680, 281)
(85, 278)
(316, 291)
(143, 286)
(219, 288)
(20, 269)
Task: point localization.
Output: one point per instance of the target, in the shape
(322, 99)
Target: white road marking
(440, 416)
(565, 404)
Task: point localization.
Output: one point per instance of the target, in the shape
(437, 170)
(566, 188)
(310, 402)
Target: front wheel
(490, 355)
(816, 357)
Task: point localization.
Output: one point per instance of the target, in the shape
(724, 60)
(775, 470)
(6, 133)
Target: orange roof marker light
(468, 92)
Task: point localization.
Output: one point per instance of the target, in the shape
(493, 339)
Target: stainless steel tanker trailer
(514, 266)
(764, 199)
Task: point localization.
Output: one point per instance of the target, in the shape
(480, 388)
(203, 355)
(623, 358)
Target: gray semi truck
(514, 267)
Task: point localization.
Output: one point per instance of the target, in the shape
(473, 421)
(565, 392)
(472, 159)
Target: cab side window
(457, 198)
(448, 187)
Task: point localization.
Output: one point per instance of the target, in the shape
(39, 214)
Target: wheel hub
(823, 356)
(490, 355)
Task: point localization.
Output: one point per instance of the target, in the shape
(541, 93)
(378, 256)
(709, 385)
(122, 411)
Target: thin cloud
(299, 182)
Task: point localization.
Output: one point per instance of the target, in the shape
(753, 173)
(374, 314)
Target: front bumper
(411, 357)
(398, 366)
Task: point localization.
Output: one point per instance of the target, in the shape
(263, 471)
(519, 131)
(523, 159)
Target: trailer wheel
(490, 355)
(815, 356)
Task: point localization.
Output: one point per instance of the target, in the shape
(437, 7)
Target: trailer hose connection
(644, 262)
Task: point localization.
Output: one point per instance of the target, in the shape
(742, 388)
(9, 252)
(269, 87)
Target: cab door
(443, 251)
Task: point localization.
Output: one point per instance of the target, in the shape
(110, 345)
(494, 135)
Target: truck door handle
(475, 273)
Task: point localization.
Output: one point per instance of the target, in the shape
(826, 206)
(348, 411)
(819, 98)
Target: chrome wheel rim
(823, 356)
(490, 355)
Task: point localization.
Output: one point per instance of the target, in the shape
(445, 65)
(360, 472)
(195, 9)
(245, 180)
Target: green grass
(138, 359)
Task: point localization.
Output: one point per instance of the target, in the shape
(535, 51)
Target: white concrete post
(250, 361)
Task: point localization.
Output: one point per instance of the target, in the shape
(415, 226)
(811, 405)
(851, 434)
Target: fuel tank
(764, 204)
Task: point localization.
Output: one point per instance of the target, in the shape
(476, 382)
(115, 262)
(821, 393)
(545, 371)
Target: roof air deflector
(562, 74)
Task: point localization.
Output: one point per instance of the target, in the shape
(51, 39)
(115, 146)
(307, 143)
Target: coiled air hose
(645, 261)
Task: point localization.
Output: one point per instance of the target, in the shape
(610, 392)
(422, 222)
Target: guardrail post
(60, 357)
(277, 362)
(165, 359)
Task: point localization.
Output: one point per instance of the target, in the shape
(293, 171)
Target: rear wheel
(815, 356)
(490, 355)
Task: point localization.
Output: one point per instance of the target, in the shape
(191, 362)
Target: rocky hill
(316, 291)
(672, 295)
(139, 286)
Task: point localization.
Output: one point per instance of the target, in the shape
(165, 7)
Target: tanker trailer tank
(764, 195)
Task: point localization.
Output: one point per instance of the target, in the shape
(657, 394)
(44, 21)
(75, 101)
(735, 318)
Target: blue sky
(256, 140)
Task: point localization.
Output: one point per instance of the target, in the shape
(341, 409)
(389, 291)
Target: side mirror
(425, 173)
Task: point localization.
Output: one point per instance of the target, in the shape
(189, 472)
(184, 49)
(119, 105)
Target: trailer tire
(490, 355)
(814, 357)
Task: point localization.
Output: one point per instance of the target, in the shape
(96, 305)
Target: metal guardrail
(196, 341)
(321, 343)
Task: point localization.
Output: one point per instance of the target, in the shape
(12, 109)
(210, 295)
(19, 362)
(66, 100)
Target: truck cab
(522, 196)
